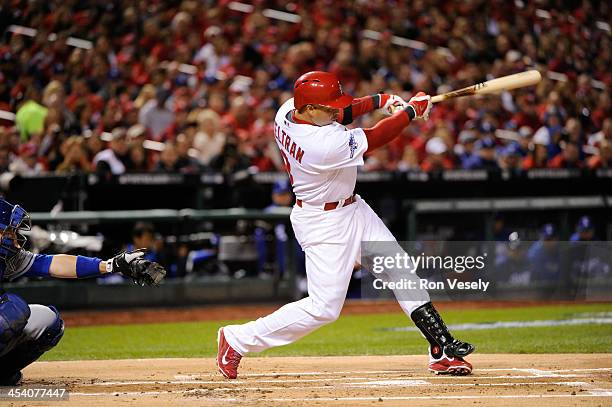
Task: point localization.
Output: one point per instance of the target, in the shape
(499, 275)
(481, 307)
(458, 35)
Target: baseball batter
(321, 156)
(27, 331)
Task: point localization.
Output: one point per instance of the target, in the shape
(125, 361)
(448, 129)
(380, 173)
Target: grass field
(350, 335)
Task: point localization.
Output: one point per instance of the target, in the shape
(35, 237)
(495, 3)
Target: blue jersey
(545, 262)
(25, 263)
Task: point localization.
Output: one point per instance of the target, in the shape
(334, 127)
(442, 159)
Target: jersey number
(287, 166)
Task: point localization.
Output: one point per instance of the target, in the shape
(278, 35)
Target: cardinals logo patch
(352, 145)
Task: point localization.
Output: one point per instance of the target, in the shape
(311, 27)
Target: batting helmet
(320, 88)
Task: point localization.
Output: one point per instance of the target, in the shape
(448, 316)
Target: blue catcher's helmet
(13, 220)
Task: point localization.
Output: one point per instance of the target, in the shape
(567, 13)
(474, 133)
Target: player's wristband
(411, 112)
(88, 267)
(109, 265)
(379, 100)
(376, 101)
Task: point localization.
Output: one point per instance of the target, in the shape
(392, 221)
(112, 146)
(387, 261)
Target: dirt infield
(572, 379)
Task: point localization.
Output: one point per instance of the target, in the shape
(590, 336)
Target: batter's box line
(368, 385)
(534, 372)
(328, 379)
(396, 383)
(149, 393)
(344, 399)
(401, 384)
(557, 372)
(592, 369)
(449, 397)
(362, 386)
(191, 375)
(547, 370)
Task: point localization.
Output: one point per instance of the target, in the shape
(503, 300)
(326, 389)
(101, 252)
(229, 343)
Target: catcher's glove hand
(133, 265)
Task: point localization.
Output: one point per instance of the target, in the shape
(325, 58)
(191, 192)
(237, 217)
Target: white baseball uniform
(322, 162)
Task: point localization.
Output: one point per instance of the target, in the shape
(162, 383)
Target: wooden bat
(518, 80)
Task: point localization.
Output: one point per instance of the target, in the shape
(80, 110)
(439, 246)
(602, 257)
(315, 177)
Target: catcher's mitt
(133, 265)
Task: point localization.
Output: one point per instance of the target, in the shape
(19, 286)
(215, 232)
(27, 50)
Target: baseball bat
(518, 80)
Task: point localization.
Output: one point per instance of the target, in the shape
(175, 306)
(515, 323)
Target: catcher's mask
(13, 220)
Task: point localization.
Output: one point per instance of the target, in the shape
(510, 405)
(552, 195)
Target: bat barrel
(519, 80)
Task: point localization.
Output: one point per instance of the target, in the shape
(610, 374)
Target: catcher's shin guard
(14, 314)
(427, 319)
(29, 351)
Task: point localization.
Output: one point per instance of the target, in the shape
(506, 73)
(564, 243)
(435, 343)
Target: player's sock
(431, 325)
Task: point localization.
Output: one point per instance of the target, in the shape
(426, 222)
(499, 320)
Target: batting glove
(393, 104)
(421, 104)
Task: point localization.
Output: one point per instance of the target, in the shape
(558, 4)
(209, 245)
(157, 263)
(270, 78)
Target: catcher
(29, 330)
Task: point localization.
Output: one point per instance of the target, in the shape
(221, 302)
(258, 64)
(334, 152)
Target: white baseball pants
(332, 242)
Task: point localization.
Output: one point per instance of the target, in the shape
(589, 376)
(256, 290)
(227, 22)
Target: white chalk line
(392, 398)
(149, 393)
(139, 360)
(587, 389)
(602, 393)
(593, 369)
(329, 379)
(538, 372)
(513, 324)
(391, 383)
(190, 376)
(400, 383)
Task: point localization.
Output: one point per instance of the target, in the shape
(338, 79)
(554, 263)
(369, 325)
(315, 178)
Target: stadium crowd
(194, 85)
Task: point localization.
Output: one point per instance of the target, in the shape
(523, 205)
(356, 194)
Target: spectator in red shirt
(379, 160)
(239, 116)
(538, 154)
(569, 157)
(27, 163)
(82, 94)
(603, 158)
(409, 160)
(437, 157)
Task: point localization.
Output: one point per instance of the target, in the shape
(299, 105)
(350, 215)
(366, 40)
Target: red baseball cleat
(450, 365)
(227, 358)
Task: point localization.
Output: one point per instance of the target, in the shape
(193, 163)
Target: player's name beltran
(424, 284)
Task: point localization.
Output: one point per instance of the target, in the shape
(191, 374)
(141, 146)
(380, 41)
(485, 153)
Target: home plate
(391, 383)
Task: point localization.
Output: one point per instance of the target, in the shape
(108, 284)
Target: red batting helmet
(320, 88)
